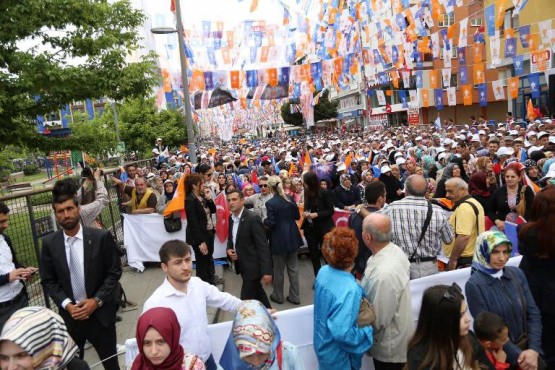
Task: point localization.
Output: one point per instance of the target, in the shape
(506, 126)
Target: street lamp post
(184, 80)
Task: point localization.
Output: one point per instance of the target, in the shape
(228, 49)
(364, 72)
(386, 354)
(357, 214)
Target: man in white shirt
(188, 297)
(12, 292)
(386, 284)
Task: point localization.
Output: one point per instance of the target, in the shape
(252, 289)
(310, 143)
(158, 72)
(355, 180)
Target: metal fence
(32, 217)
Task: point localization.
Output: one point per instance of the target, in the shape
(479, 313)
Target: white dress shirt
(190, 309)
(236, 220)
(78, 249)
(10, 290)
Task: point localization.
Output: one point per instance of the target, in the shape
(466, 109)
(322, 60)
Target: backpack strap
(476, 212)
(424, 228)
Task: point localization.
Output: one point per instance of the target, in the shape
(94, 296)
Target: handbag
(521, 206)
(172, 224)
(366, 315)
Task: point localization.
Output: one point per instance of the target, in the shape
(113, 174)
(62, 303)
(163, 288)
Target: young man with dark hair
(80, 269)
(13, 294)
(188, 296)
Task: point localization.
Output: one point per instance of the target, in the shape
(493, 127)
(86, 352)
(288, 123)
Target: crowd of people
(416, 196)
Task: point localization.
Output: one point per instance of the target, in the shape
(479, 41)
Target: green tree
(97, 136)
(325, 109)
(54, 52)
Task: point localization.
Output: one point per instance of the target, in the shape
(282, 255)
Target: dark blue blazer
(285, 236)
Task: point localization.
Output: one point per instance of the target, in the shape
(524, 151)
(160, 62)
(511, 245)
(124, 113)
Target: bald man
(419, 227)
(386, 284)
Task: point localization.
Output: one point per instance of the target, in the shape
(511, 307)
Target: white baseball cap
(542, 134)
(385, 169)
(505, 151)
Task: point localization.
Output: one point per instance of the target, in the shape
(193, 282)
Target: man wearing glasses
(257, 202)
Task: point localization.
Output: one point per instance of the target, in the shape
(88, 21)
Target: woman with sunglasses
(443, 340)
(503, 290)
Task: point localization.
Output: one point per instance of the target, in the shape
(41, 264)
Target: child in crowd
(493, 334)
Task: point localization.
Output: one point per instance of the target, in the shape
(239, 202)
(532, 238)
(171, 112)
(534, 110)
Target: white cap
(542, 133)
(519, 139)
(505, 151)
(531, 133)
(440, 150)
(150, 175)
(481, 132)
(513, 132)
(385, 169)
(341, 167)
(547, 120)
(397, 154)
(418, 138)
(447, 142)
(441, 156)
(462, 137)
(552, 139)
(534, 149)
(475, 139)
(329, 157)
(159, 139)
(400, 161)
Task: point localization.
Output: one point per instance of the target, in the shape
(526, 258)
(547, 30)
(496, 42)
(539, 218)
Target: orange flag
(451, 30)
(254, 5)
(500, 13)
(235, 79)
(178, 201)
(479, 76)
(348, 160)
(533, 41)
(272, 76)
(198, 80)
(225, 55)
(167, 80)
(509, 33)
(264, 53)
(425, 98)
(433, 79)
(513, 87)
(530, 112)
(467, 94)
(395, 79)
(478, 52)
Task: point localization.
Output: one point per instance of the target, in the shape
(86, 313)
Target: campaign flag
(235, 79)
(518, 63)
(463, 74)
(443, 34)
(530, 111)
(498, 91)
(178, 201)
(494, 47)
(512, 83)
(438, 97)
(467, 94)
(252, 78)
(478, 52)
(524, 34)
(461, 54)
(534, 80)
(324, 170)
(406, 79)
(437, 123)
(479, 76)
(446, 75)
(545, 30)
(211, 53)
(222, 217)
(500, 13)
(483, 94)
(433, 79)
(381, 97)
(403, 98)
(451, 96)
(463, 33)
(425, 98)
(284, 76)
(413, 97)
(510, 47)
(435, 44)
(489, 13)
(208, 81)
(419, 83)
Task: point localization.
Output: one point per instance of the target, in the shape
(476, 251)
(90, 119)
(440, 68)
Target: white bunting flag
(446, 74)
(463, 33)
(451, 96)
(498, 90)
(381, 97)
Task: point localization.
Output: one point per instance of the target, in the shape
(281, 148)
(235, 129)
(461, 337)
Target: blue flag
(534, 80)
(483, 95)
(438, 93)
(510, 47)
(489, 13)
(403, 98)
(524, 33)
(461, 54)
(419, 83)
(463, 75)
(518, 62)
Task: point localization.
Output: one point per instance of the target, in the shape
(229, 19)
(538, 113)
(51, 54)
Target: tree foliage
(325, 109)
(54, 52)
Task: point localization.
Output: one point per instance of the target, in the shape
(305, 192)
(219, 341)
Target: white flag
(545, 32)
(406, 79)
(494, 48)
(451, 96)
(413, 97)
(447, 57)
(435, 45)
(381, 97)
(498, 90)
(446, 74)
(463, 34)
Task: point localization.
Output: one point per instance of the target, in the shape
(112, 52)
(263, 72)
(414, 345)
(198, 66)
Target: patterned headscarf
(253, 331)
(43, 335)
(485, 244)
(529, 163)
(428, 163)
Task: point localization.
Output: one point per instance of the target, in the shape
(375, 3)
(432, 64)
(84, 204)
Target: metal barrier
(31, 218)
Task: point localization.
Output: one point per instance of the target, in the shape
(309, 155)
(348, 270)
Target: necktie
(76, 272)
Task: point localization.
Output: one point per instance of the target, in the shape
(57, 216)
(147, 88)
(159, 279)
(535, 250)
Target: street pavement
(139, 286)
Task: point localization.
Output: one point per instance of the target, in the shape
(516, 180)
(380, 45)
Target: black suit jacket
(195, 233)
(323, 205)
(102, 271)
(253, 252)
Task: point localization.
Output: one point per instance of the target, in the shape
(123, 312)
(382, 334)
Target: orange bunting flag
(467, 94)
(500, 13)
(451, 30)
(512, 83)
(197, 80)
(338, 66)
(479, 75)
(395, 79)
(167, 80)
(291, 169)
(272, 76)
(388, 92)
(533, 41)
(235, 79)
(230, 38)
(254, 5)
(305, 72)
(434, 82)
(509, 33)
(425, 97)
(348, 160)
(177, 203)
(264, 54)
(225, 55)
(530, 111)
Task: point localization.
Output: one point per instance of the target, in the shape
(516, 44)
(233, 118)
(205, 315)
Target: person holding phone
(13, 294)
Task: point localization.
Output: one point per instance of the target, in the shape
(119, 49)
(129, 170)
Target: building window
(476, 22)
(509, 21)
(447, 20)
(453, 53)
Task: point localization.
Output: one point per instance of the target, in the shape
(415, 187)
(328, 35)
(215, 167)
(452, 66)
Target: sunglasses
(453, 292)
(263, 185)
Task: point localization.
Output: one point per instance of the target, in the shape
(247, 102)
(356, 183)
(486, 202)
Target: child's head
(491, 330)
